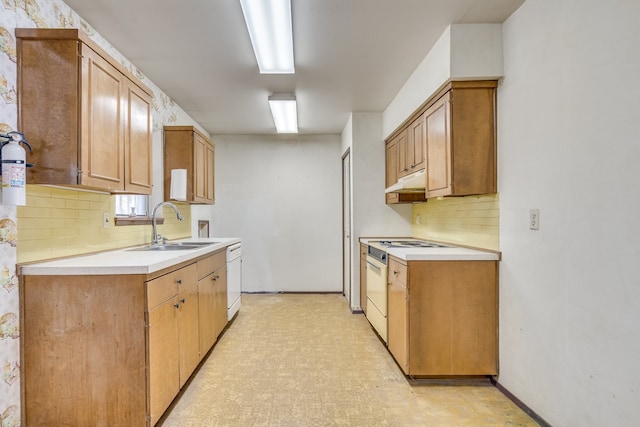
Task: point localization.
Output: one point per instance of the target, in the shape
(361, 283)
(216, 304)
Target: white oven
(377, 290)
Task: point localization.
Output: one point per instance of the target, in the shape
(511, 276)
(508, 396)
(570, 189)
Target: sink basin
(174, 246)
(198, 244)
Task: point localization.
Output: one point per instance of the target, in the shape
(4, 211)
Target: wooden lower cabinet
(212, 297)
(164, 357)
(397, 315)
(113, 350)
(188, 329)
(443, 317)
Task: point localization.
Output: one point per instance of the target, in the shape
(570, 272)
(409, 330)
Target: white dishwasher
(234, 279)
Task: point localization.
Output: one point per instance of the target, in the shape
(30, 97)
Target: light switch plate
(105, 219)
(534, 219)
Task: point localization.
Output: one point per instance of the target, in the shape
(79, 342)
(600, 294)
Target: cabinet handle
(179, 281)
(375, 267)
(182, 300)
(176, 305)
(395, 272)
(215, 278)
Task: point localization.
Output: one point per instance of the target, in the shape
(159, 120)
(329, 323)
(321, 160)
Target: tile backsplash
(468, 221)
(59, 222)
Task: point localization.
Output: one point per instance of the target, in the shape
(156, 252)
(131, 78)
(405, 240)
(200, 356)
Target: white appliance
(413, 183)
(377, 290)
(234, 279)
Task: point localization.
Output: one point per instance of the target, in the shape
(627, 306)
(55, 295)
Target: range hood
(414, 183)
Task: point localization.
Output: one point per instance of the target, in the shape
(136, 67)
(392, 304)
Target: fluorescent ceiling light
(270, 30)
(284, 111)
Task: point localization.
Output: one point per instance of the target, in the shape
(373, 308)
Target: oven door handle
(375, 267)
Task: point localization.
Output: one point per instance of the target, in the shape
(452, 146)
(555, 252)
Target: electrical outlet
(417, 218)
(534, 219)
(105, 220)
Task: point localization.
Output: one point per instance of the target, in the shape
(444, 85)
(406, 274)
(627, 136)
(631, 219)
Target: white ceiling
(350, 55)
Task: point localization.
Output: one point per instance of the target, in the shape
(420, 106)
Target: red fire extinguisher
(14, 164)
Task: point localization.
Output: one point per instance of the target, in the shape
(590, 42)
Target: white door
(346, 226)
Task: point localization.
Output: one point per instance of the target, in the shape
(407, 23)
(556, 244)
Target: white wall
(370, 216)
(282, 196)
(568, 138)
(463, 52)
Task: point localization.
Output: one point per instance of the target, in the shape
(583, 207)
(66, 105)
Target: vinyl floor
(306, 360)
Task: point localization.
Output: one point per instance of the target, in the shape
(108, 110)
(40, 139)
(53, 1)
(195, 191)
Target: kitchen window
(132, 209)
(132, 205)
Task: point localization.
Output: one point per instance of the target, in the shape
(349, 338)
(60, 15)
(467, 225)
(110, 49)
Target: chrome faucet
(156, 238)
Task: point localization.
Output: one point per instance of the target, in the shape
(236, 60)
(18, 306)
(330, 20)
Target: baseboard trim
(520, 404)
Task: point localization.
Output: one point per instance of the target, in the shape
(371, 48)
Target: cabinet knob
(395, 273)
(182, 300)
(179, 281)
(176, 305)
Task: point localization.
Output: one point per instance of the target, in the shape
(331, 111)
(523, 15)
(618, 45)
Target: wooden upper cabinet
(185, 147)
(86, 117)
(410, 145)
(438, 125)
(402, 160)
(137, 141)
(460, 140)
(453, 137)
(392, 168)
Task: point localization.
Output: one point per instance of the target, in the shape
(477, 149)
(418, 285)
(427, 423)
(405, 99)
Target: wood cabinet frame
(457, 125)
(185, 147)
(113, 349)
(87, 118)
(443, 317)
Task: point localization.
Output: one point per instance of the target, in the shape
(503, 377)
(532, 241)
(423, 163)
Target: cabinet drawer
(397, 272)
(164, 287)
(210, 264)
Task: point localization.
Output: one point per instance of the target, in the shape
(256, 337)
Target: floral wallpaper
(40, 14)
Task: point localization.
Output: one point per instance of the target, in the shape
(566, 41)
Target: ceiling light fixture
(270, 30)
(284, 110)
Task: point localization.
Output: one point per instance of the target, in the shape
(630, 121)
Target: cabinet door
(188, 335)
(220, 299)
(397, 315)
(137, 141)
(210, 175)
(415, 145)
(102, 127)
(206, 310)
(402, 165)
(50, 123)
(438, 148)
(199, 169)
(391, 167)
(164, 374)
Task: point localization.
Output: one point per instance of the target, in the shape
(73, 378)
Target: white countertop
(442, 254)
(125, 261)
(450, 253)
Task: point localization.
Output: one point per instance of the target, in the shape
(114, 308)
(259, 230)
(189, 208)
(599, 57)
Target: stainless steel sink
(174, 246)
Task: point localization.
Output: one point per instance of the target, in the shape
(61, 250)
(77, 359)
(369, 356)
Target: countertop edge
(122, 261)
(453, 252)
